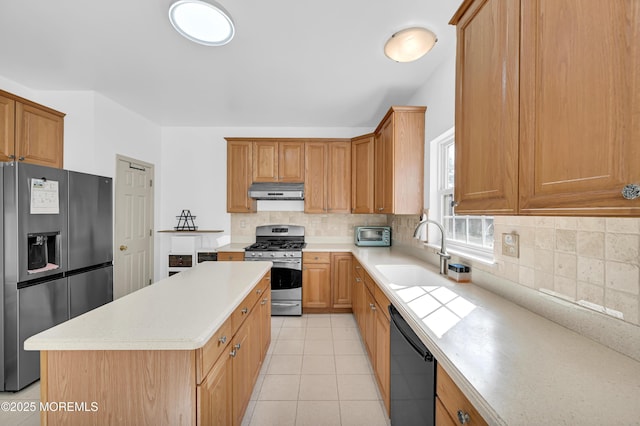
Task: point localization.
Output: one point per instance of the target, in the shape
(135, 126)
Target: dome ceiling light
(203, 22)
(409, 44)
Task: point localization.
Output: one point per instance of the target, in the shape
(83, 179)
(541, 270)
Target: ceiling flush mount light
(203, 22)
(409, 44)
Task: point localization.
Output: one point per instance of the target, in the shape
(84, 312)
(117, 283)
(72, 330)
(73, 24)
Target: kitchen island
(154, 356)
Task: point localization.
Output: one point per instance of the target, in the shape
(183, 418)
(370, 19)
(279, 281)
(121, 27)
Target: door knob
(123, 248)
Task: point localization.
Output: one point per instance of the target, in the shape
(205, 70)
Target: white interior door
(133, 226)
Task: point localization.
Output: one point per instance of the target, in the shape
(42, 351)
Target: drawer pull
(358, 280)
(463, 417)
(223, 339)
(631, 191)
(259, 291)
(237, 346)
(358, 267)
(244, 310)
(264, 301)
(233, 353)
(372, 306)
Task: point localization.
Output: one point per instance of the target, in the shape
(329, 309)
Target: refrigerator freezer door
(90, 220)
(40, 307)
(89, 290)
(35, 202)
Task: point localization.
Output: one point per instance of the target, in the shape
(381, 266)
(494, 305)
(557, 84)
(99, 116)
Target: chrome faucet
(444, 256)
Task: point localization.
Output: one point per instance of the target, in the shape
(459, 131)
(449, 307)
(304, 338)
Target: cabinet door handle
(259, 291)
(233, 353)
(631, 191)
(358, 280)
(380, 209)
(12, 157)
(21, 159)
(244, 310)
(372, 306)
(237, 346)
(223, 339)
(463, 417)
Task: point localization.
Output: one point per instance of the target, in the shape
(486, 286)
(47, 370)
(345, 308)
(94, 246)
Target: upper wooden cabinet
(399, 161)
(362, 174)
(239, 161)
(278, 161)
(541, 126)
(328, 177)
(30, 132)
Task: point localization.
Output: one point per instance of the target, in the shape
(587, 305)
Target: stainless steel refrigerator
(56, 229)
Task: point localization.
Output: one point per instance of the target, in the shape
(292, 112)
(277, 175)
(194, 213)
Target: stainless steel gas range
(282, 245)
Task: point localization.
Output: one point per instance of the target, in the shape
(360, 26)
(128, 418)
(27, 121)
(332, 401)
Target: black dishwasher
(413, 376)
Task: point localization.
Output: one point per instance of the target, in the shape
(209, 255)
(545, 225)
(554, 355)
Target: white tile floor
(20, 400)
(316, 373)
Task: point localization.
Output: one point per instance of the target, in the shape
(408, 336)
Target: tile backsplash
(594, 262)
(319, 228)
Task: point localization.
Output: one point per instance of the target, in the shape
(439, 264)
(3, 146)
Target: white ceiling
(291, 62)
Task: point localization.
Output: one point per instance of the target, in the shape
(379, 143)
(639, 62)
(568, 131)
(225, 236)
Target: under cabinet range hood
(276, 191)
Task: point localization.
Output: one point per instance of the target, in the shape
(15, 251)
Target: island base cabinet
(118, 387)
(215, 407)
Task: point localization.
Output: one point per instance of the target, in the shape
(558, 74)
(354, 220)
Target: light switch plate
(511, 244)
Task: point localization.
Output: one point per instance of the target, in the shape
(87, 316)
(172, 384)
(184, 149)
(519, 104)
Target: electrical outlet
(511, 244)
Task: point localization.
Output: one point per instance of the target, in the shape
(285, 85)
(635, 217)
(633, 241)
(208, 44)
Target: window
(471, 235)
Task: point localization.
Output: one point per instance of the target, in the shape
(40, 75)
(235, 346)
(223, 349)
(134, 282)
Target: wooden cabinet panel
(265, 320)
(383, 354)
(341, 279)
(265, 161)
(30, 132)
(362, 174)
(370, 325)
(399, 161)
(339, 177)
(384, 168)
(278, 161)
(239, 176)
(486, 145)
(579, 145)
(542, 128)
(233, 256)
(442, 416)
(215, 405)
(454, 400)
(7, 128)
(291, 161)
(242, 370)
(315, 182)
(316, 286)
(327, 177)
(39, 136)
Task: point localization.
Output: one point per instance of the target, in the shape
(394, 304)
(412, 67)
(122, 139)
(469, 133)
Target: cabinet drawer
(454, 400)
(358, 271)
(244, 309)
(207, 355)
(443, 418)
(230, 255)
(369, 283)
(316, 257)
(180, 260)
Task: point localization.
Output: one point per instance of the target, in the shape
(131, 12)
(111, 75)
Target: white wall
(194, 172)
(438, 94)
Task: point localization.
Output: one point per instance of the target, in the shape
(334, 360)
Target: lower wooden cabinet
(316, 281)
(453, 403)
(341, 280)
(326, 282)
(224, 392)
(370, 307)
(214, 406)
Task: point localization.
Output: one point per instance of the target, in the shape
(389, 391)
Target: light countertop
(179, 312)
(515, 366)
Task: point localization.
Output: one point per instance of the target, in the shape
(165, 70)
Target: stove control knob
(272, 254)
(259, 254)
